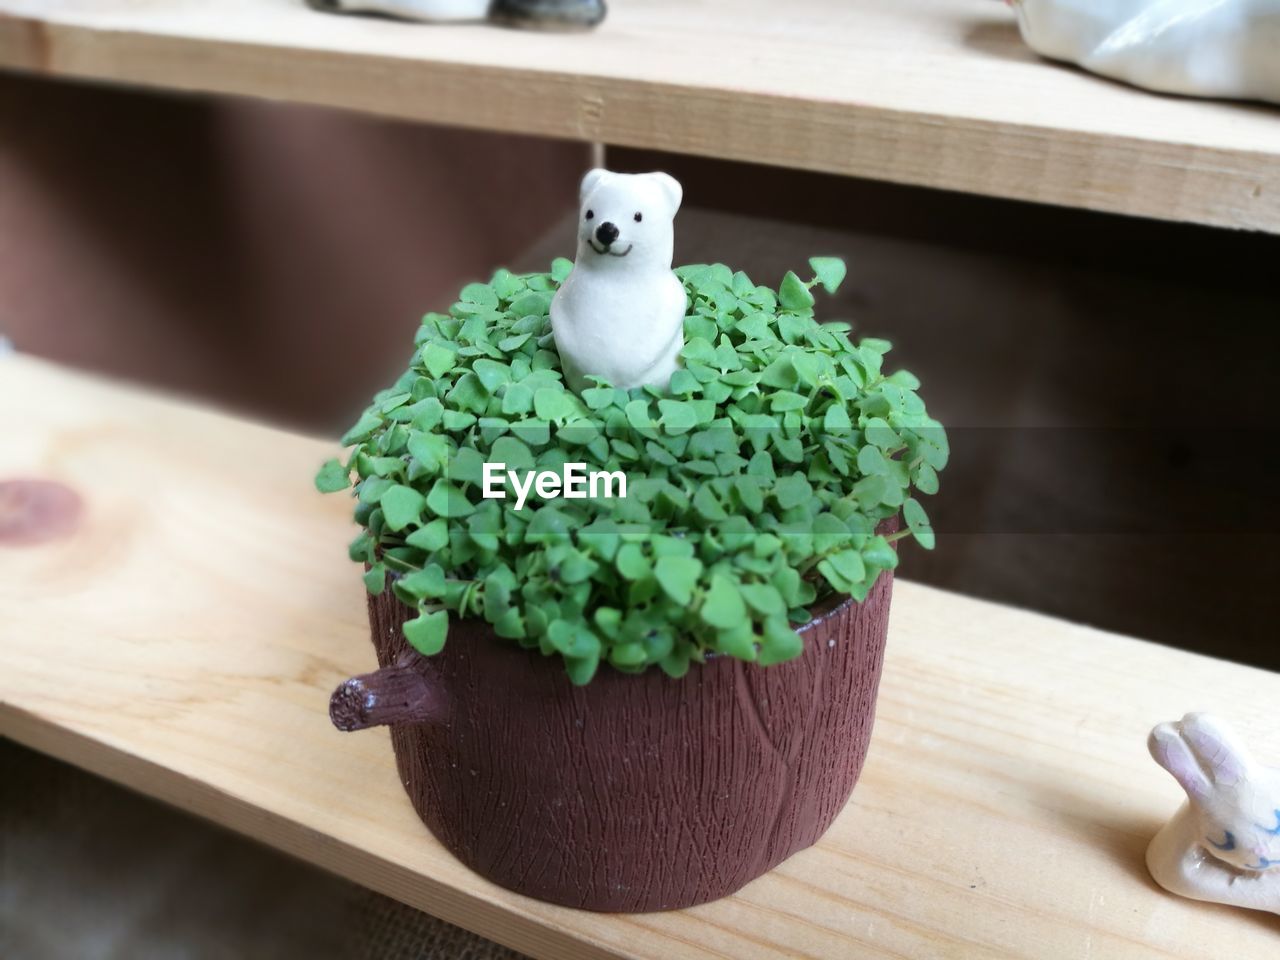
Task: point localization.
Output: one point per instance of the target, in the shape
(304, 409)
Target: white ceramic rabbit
(620, 312)
(1223, 845)
(1207, 48)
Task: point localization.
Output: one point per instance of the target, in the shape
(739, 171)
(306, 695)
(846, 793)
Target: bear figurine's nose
(606, 233)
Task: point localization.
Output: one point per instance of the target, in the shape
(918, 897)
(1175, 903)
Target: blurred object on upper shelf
(531, 14)
(1202, 48)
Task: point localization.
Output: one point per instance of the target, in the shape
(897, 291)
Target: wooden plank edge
(204, 800)
(1220, 187)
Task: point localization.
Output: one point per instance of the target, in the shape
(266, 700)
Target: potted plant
(637, 702)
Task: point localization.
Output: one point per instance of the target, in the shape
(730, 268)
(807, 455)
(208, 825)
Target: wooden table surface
(939, 93)
(185, 638)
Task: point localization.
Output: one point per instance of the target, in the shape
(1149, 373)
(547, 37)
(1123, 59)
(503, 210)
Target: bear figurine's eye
(639, 216)
(590, 214)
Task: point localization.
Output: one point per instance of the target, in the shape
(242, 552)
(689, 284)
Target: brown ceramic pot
(635, 792)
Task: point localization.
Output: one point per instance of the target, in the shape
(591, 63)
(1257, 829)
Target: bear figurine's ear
(671, 188)
(592, 180)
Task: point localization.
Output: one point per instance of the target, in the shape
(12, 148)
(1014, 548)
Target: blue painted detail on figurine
(1228, 844)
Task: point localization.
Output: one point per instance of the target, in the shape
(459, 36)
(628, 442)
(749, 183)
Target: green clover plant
(756, 481)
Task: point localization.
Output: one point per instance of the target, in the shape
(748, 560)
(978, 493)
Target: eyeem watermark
(575, 484)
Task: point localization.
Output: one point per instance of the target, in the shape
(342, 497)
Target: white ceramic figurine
(1223, 845)
(537, 14)
(620, 313)
(1207, 48)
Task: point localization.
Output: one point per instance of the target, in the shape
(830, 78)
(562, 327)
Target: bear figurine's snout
(606, 233)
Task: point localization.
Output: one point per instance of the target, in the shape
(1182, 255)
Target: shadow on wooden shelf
(94, 870)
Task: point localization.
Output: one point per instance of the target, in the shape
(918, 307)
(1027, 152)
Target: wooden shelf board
(939, 93)
(185, 639)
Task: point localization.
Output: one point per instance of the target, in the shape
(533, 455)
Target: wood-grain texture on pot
(637, 792)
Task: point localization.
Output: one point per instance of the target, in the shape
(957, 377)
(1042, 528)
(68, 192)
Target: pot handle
(397, 693)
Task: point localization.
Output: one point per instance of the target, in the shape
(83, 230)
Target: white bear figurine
(1223, 845)
(620, 312)
(1206, 48)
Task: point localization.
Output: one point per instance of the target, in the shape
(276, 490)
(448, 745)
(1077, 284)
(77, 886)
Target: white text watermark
(576, 483)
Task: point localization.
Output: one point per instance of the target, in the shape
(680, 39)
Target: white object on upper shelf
(1207, 48)
(431, 11)
(540, 14)
(1223, 845)
(620, 312)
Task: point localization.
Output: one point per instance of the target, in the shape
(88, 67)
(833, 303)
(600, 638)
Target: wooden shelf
(185, 639)
(940, 93)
